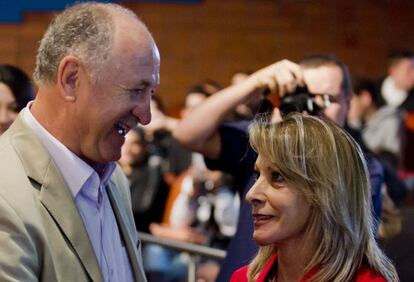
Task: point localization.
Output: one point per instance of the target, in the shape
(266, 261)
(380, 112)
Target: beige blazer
(42, 235)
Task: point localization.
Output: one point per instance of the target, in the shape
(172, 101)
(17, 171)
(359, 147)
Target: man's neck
(99, 168)
(50, 113)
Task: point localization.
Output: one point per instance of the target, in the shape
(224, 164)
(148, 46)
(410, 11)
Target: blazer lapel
(54, 194)
(121, 219)
(60, 204)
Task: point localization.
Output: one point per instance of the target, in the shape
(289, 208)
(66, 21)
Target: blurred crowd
(192, 203)
(176, 194)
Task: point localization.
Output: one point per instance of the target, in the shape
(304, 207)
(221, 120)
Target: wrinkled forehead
(131, 37)
(136, 58)
(146, 59)
(325, 79)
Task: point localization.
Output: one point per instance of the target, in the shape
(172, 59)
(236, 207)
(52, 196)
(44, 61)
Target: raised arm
(199, 131)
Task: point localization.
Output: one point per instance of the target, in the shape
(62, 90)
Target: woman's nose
(253, 196)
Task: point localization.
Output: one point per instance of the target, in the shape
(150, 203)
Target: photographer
(226, 146)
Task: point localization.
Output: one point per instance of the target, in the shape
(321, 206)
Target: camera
(301, 100)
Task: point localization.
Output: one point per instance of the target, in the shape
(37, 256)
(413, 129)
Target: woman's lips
(259, 219)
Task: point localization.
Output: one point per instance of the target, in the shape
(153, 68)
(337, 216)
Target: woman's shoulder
(365, 274)
(240, 275)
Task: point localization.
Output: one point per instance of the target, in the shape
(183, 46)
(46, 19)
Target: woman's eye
(256, 175)
(277, 177)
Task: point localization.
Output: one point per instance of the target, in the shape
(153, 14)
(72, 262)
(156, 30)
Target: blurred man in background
(397, 89)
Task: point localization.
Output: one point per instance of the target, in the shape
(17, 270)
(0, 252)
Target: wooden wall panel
(214, 38)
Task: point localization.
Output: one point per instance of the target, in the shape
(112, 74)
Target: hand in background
(279, 78)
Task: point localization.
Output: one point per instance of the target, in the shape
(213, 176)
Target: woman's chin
(262, 241)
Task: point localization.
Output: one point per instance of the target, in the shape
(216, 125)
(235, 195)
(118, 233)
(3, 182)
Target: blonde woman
(311, 206)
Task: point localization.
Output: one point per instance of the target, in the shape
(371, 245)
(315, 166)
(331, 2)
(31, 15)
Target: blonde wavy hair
(329, 169)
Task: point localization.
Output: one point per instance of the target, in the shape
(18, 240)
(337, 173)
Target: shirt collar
(392, 95)
(74, 170)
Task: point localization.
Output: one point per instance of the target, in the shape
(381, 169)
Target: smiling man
(65, 212)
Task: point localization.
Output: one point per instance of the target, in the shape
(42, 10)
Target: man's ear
(68, 77)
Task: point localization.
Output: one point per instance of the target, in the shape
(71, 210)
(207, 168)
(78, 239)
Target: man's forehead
(325, 79)
(140, 62)
(131, 36)
(145, 58)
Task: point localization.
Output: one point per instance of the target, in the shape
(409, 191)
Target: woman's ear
(68, 77)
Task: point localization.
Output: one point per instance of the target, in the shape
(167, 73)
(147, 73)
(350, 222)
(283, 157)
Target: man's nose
(142, 111)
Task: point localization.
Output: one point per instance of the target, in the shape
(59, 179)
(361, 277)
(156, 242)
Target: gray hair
(84, 30)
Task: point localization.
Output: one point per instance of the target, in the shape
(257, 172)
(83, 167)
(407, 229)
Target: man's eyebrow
(143, 83)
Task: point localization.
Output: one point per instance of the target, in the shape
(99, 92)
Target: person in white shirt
(396, 87)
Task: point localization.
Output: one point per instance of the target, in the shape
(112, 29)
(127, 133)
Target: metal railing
(193, 250)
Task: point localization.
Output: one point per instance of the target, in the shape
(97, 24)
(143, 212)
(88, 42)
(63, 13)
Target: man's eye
(138, 91)
(135, 93)
(277, 177)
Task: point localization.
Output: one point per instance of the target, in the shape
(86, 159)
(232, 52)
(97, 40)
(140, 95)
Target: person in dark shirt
(148, 188)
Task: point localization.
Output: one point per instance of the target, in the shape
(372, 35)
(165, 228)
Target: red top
(364, 274)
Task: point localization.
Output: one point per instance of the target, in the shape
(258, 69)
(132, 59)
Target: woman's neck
(292, 259)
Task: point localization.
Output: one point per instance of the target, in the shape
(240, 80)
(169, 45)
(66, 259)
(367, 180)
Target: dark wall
(214, 38)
